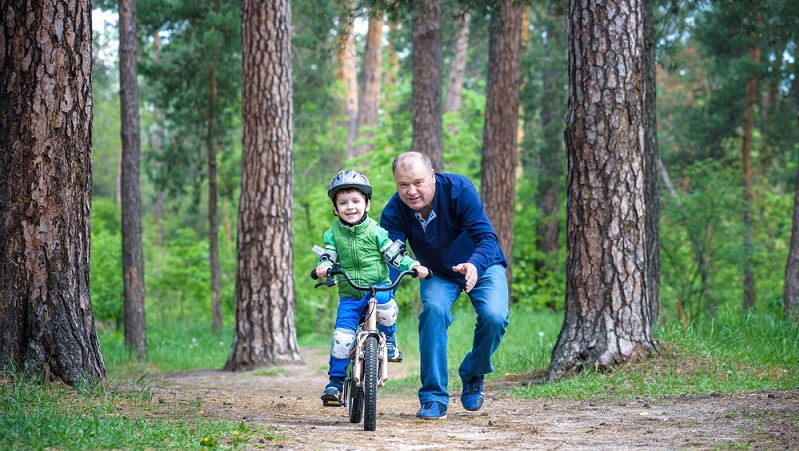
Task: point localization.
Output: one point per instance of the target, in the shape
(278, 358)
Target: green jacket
(363, 251)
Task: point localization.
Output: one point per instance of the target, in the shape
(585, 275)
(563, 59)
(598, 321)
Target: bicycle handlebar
(336, 270)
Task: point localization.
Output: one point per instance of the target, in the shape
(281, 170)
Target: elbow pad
(394, 253)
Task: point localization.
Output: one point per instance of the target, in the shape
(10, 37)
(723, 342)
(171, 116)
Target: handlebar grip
(313, 274)
(429, 275)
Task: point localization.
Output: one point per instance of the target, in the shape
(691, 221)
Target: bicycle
(368, 359)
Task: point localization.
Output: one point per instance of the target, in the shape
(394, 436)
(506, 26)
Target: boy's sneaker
(472, 396)
(394, 354)
(332, 394)
(432, 410)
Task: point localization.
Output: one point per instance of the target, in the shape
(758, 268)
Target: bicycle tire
(355, 395)
(371, 368)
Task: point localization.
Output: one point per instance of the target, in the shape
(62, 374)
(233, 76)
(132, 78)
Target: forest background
(704, 65)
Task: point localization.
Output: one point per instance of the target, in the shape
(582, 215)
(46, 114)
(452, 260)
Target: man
(442, 218)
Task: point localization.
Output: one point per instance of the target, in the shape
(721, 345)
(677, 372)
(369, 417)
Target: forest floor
(288, 399)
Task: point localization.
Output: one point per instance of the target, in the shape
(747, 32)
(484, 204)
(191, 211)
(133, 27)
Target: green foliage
(109, 416)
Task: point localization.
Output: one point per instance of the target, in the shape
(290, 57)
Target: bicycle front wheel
(371, 366)
(355, 394)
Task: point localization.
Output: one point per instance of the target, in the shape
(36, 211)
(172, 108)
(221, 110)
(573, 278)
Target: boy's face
(350, 206)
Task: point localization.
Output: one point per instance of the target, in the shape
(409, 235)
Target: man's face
(416, 185)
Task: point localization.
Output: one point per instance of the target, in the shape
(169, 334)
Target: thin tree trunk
(265, 298)
(158, 135)
(369, 95)
(46, 321)
(132, 254)
(651, 160)
(791, 289)
(607, 320)
(457, 65)
(347, 73)
(499, 131)
(392, 72)
(426, 92)
(746, 156)
(213, 219)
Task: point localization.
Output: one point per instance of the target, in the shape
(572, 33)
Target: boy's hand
(421, 271)
(321, 271)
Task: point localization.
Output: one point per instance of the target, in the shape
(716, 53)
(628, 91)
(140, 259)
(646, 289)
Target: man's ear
(368, 205)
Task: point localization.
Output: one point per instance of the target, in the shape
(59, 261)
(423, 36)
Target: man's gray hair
(406, 160)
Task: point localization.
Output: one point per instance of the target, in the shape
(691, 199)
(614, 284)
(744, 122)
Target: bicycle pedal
(398, 359)
(329, 403)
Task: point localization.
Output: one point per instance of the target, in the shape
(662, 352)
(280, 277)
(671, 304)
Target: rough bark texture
(426, 91)
(265, 299)
(607, 320)
(46, 320)
(132, 254)
(791, 289)
(651, 170)
(746, 158)
(501, 118)
(550, 158)
(369, 95)
(347, 73)
(457, 65)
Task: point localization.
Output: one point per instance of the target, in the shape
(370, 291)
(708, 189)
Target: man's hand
(471, 274)
(421, 271)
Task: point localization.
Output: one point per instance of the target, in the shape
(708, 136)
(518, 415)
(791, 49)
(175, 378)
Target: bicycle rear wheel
(371, 365)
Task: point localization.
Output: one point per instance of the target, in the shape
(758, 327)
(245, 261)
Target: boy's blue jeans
(490, 300)
(347, 317)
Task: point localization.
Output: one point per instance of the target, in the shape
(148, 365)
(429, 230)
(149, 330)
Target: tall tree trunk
(457, 65)
(213, 217)
(369, 95)
(265, 298)
(426, 92)
(392, 73)
(132, 254)
(550, 158)
(791, 288)
(158, 136)
(347, 73)
(46, 320)
(746, 156)
(501, 118)
(607, 320)
(651, 172)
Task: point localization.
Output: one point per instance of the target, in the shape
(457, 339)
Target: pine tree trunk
(369, 95)
(501, 118)
(607, 320)
(746, 156)
(457, 65)
(347, 73)
(791, 288)
(46, 320)
(426, 96)
(213, 219)
(158, 134)
(651, 170)
(265, 300)
(132, 253)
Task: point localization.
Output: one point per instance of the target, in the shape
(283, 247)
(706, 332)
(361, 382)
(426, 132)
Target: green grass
(112, 416)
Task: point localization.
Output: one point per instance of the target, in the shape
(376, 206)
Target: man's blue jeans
(490, 300)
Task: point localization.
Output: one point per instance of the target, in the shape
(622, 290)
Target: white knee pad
(387, 313)
(343, 340)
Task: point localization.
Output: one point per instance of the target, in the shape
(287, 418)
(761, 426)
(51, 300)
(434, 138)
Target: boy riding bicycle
(363, 249)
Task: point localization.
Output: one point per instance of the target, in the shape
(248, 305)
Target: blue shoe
(472, 396)
(432, 410)
(394, 354)
(332, 394)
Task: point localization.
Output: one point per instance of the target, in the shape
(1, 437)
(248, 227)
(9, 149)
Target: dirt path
(288, 397)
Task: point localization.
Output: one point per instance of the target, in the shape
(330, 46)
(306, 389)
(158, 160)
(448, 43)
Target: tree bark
(550, 158)
(265, 298)
(426, 92)
(651, 170)
(607, 320)
(347, 73)
(369, 95)
(746, 157)
(46, 320)
(132, 254)
(791, 288)
(501, 119)
(457, 65)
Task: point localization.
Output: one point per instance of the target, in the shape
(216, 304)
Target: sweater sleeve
(472, 216)
(330, 254)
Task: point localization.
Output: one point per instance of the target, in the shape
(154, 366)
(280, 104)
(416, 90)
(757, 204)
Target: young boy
(362, 248)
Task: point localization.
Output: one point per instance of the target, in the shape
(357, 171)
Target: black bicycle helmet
(349, 178)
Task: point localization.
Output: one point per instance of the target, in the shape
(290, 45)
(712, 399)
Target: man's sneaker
(394, 354)
(432, 410)
(332, 394)
(472, 396)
